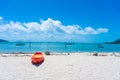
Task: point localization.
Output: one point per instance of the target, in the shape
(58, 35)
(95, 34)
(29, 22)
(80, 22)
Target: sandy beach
(60, 67)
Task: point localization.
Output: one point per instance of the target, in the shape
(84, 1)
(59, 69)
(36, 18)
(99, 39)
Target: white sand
(60, 67)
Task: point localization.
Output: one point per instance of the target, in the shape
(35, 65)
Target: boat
(67, 43)
(100, 46)
(20, 44)
(37, 57)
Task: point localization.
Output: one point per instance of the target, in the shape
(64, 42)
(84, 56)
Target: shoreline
(22, 54)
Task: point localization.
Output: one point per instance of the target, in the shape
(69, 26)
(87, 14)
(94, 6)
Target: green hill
(114, 42)
(1, 40)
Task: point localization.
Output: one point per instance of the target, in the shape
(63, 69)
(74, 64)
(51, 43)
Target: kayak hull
(37, 57)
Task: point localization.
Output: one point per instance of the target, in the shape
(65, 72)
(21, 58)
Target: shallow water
(58, 47)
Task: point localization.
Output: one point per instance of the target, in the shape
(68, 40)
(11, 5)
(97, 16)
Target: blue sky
(60, 20)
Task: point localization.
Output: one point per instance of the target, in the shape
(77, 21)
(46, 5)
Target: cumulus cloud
(90, 30)
(45, 30)
(1, 18)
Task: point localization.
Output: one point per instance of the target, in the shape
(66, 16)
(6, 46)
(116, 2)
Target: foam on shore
(22, 54)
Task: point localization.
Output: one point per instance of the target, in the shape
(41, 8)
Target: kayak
(37, 57)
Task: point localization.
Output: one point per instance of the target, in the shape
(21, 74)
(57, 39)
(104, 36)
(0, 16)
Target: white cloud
(1, 18)
(45, 30)
(90, 30)
(99, 30)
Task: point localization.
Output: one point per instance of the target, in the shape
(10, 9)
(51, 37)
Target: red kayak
(37, 57)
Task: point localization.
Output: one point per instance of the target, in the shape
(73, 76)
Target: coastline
(22, 54)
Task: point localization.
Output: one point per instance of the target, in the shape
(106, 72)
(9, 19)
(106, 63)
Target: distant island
(1, 40)
(114, 42)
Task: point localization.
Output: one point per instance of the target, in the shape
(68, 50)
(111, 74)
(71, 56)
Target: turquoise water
(58, 47)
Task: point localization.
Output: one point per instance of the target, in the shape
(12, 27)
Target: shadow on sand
(37, 64)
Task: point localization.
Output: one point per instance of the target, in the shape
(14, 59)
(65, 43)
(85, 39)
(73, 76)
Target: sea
(57, 47)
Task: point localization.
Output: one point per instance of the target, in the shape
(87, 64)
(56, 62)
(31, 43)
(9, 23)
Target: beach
(60, 67)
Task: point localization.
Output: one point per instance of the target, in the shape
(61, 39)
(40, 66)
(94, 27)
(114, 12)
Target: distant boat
(66, 43)
(20, 44)
(100, 46)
